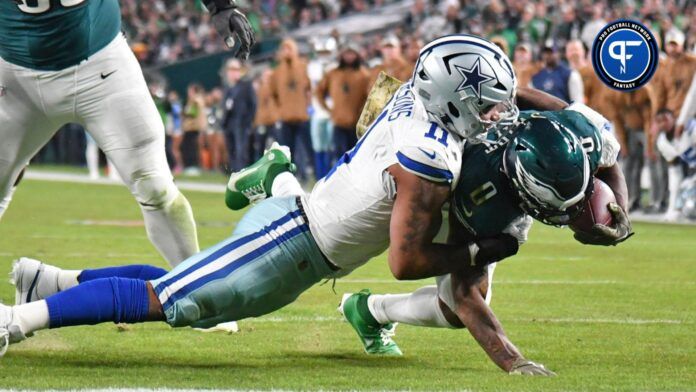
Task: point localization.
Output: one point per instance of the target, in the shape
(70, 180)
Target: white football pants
(108, 95)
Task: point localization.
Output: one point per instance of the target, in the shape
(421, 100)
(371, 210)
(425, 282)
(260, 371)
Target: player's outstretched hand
(618, 232)
(230, 22)
(526, 367)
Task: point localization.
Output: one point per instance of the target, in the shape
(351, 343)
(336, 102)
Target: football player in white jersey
(387, 191)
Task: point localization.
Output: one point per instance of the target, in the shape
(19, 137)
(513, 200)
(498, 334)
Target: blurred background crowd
(309, 93)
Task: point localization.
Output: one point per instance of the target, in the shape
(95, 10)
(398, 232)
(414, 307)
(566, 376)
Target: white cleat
(33, 280)
(9, 333)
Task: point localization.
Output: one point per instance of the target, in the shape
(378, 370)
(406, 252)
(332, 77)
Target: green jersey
(484, 200)
(51, 35)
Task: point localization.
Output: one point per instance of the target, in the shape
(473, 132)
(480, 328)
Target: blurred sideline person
(239, 105)
(392, 62)
(670, 89)
(266, 119)
(679, 151)
(194, 125)
(630, 114)
(175, 121)
(688, 109)
(71, 63)
(215, 137)
(413, 47)
(524, 64)
(556, 78)
(292, 91)
(347, 87)
(322, 131)
(92, 160)
(595, 93)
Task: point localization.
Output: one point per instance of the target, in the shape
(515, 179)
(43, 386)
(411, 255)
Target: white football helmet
(458, 78)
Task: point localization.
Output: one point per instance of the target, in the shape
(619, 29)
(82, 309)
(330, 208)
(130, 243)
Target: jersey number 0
(41, 6)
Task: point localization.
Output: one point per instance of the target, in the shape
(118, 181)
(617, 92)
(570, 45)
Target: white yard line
(144, 390)
(565, 320)
(84, 179)
(525, 282)
(96, 255)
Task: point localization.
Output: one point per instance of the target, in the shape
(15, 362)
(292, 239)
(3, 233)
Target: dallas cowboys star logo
(473, 78)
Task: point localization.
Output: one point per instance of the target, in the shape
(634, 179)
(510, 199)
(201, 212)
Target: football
(596, 210)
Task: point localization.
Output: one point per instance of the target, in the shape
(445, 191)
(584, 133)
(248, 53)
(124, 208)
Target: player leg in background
(374, 316)
(322, 136)
(266, 264)
(25, 126)
(121, 116)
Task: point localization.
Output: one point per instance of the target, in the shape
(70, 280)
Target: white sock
(32, 316)
(419, 308)
(172, 230)
(285, 184)
(5, 201)
(68, 279)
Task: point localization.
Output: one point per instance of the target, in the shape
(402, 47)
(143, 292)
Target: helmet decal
(473, 78)
(545, 194)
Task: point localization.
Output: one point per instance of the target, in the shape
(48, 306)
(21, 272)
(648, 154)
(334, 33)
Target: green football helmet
(548, 169)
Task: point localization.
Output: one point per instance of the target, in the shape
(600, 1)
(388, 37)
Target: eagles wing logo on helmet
(473, 78)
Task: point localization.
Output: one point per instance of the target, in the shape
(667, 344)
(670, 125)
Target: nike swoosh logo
(431, 156)
(104, 76)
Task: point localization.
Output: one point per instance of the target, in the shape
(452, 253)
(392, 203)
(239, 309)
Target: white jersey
(350, 209)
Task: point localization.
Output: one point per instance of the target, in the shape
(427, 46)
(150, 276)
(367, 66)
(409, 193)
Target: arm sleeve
(575, 87)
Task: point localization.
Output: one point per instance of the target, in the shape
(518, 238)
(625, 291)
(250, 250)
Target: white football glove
(519, 228)
(525, 367)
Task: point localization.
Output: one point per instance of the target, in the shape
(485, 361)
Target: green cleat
(253, 183)
(376, 337)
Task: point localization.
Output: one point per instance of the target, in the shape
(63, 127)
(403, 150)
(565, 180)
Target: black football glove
(229, 22)
(604, 235)
(494, 249)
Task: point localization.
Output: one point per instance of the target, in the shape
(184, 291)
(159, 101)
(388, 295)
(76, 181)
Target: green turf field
(603, 318)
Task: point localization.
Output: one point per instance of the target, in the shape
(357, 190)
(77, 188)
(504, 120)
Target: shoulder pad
(424, 151)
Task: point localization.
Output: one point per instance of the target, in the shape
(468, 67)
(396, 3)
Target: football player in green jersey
(65, 61)
(540, 168)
